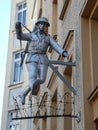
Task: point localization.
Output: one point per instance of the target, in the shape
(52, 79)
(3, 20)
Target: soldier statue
(37, 59)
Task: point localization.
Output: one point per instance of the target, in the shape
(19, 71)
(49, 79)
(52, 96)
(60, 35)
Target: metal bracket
(62, 78)
(78, 117)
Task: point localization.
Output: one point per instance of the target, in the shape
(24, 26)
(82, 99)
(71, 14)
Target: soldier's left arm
(57, 48)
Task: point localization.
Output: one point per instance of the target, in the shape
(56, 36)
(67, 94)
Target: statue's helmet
(43, 20)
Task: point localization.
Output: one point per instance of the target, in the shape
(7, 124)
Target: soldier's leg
(32, 76)
(42, 72)
(32, 73)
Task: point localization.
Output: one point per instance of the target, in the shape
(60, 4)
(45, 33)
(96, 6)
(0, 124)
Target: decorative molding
(43, 100)
(54, 1)
(65, 6)
(40, 13)
(68, 39)
(87, 8)
(93, 95)
(52, 79)
(33, 8)
(16, 84)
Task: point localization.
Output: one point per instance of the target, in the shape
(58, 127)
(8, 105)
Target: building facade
(73, 24)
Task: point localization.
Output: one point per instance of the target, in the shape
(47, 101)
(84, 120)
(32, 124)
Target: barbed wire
(62, 105)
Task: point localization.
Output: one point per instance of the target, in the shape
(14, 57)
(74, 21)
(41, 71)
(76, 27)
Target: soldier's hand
(65, 54)
(18, 25)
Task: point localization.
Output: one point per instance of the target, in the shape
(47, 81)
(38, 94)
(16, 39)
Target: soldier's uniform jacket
(38, 45)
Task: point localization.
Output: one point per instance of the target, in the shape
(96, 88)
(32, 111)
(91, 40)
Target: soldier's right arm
(20, 34)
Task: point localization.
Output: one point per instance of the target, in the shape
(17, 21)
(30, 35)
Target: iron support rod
(47, 116)
(26, 28)
(63, 63)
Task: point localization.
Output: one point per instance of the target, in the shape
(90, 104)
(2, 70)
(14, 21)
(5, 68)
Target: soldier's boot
(23, 95)
(36, 86)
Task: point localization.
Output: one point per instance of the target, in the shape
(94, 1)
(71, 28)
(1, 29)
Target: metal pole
(45, 116)
(63, 63)
(26, 28)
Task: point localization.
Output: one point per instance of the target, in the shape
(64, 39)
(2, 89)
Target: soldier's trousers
(36, 76)
(36, 72)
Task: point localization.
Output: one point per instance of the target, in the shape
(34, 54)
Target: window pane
(12, 127)
(24, 5)
(13, 124)
(24, 17)
(16, 71)
(21, 74)
(19, 7)
(20, 16)
(13, 93)
(17, 56)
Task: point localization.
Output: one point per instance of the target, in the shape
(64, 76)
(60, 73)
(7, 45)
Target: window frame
(20, 73)
(21, 11)
(13, 122)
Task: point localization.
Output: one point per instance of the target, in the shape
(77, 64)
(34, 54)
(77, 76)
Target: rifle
(26, 48)
(23, 54)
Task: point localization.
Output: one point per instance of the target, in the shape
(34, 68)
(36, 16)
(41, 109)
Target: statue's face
(42, 26)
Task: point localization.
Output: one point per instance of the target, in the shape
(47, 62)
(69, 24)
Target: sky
(5, 8)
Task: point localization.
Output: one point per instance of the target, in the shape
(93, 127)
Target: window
(18, 70)
(13, 124)
(21, 13)
(14, 93)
